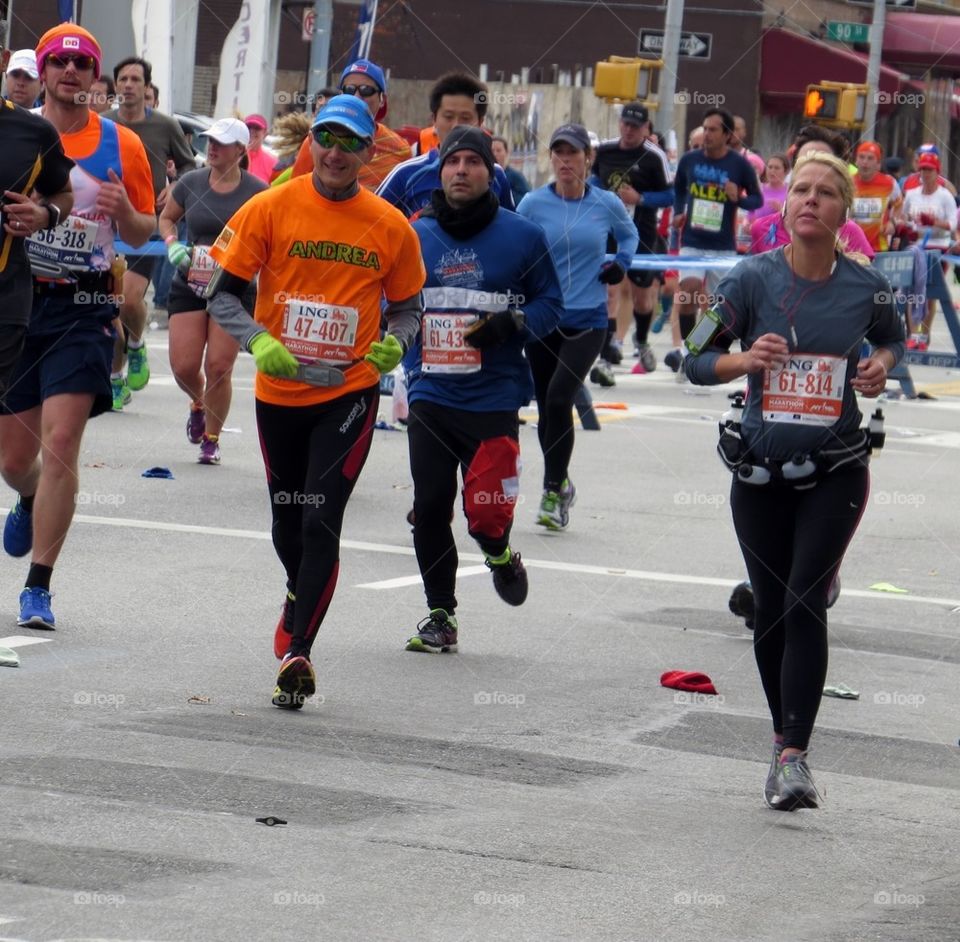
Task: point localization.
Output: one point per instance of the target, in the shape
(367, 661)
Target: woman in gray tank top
(202, 354)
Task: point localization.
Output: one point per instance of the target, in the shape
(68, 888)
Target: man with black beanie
(490, 287)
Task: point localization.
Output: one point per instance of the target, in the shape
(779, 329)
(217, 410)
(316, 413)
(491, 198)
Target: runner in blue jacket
(491, 286)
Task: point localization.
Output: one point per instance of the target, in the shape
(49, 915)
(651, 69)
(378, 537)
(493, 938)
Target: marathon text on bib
(444, 349)
(201, 270)
(71, 245)
(807, 389)
(707, 215)
(325, 332)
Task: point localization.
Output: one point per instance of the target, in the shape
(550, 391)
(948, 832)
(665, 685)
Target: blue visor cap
(347, 111)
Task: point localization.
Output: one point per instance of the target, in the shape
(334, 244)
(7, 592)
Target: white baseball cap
(228, 131)
(24, 60)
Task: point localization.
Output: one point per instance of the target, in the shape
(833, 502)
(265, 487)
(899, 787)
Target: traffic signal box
(836, 104)
(624, 79)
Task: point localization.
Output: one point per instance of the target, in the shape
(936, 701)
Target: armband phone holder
(704, 332)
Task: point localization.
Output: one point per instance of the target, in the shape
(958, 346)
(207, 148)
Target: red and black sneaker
(510, 579)
(284, 631)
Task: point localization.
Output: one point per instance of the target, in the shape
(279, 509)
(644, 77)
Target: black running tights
(793, 542)
(559, 363)
(313, 456)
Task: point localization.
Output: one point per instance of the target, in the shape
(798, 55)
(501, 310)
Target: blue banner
(364, 35)
(67, 11)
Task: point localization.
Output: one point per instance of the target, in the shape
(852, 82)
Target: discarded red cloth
(687, 680)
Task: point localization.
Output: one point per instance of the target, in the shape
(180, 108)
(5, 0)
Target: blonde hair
(836, 165)
(289, 132)
(846, 192)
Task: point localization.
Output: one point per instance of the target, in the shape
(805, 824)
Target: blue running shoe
(35, 609)
(18, 531)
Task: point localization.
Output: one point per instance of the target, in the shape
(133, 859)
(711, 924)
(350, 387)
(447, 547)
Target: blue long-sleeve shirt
(507, 264)
(699, 192)
(409, 185)
(576, 231)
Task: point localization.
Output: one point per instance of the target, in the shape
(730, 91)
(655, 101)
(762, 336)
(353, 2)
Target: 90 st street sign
(848, 32)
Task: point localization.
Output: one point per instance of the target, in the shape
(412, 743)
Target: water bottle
(753, 474)
(797, 468)
(875, 430)
(734, 415)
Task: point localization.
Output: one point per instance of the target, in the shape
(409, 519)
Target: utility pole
(320, 46)
(873, 69)
(671, 57)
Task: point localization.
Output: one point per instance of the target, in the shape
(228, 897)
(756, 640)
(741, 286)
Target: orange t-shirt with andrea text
(324, 267)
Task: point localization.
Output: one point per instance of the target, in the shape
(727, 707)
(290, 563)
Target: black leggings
(793, 542)
(559, 363)
(483, 445)
(313, 456)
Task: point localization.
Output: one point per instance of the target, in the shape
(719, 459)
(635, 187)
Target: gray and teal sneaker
(121, 393)
(138, 369)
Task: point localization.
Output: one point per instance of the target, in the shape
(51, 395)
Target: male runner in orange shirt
(327, 251)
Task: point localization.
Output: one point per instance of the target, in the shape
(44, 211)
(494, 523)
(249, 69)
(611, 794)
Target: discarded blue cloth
(158, 472)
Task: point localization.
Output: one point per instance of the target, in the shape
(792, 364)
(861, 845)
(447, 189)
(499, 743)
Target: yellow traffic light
(821, 103)
(623, 79)
(836, 104)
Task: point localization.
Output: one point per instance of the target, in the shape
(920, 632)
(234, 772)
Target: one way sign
(692, 45)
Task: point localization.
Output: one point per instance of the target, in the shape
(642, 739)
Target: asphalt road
(539, 784)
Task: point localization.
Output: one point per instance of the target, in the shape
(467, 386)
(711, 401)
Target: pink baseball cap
(256, 121)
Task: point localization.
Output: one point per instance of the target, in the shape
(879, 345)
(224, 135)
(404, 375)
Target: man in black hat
(491, 286)
(636, 170)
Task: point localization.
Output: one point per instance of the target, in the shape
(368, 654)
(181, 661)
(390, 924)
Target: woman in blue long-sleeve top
(577, 218)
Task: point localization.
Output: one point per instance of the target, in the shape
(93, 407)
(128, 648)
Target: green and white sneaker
(550, 514)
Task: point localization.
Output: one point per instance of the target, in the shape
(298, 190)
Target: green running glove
(385, 354)
(272, 357)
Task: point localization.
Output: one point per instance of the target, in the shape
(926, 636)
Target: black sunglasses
(81, 62)
(364, 91)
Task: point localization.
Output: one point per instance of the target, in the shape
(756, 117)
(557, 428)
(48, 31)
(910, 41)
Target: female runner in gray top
(202, 354)
(801, 314)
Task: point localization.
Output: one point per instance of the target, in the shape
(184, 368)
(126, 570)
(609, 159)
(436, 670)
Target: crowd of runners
(355, 253)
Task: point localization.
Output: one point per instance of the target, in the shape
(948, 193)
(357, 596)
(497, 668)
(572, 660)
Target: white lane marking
(392, 550)
(22, 641)
(403, 581)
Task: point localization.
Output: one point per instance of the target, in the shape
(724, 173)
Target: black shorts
(644, 277)
(11, 345)
(75, 360)
(182, 298)
(142, 265)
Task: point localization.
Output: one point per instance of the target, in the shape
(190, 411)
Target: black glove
(611, 273)
(494, 329)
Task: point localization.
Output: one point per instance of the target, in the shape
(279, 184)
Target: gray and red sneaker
(436, 634)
